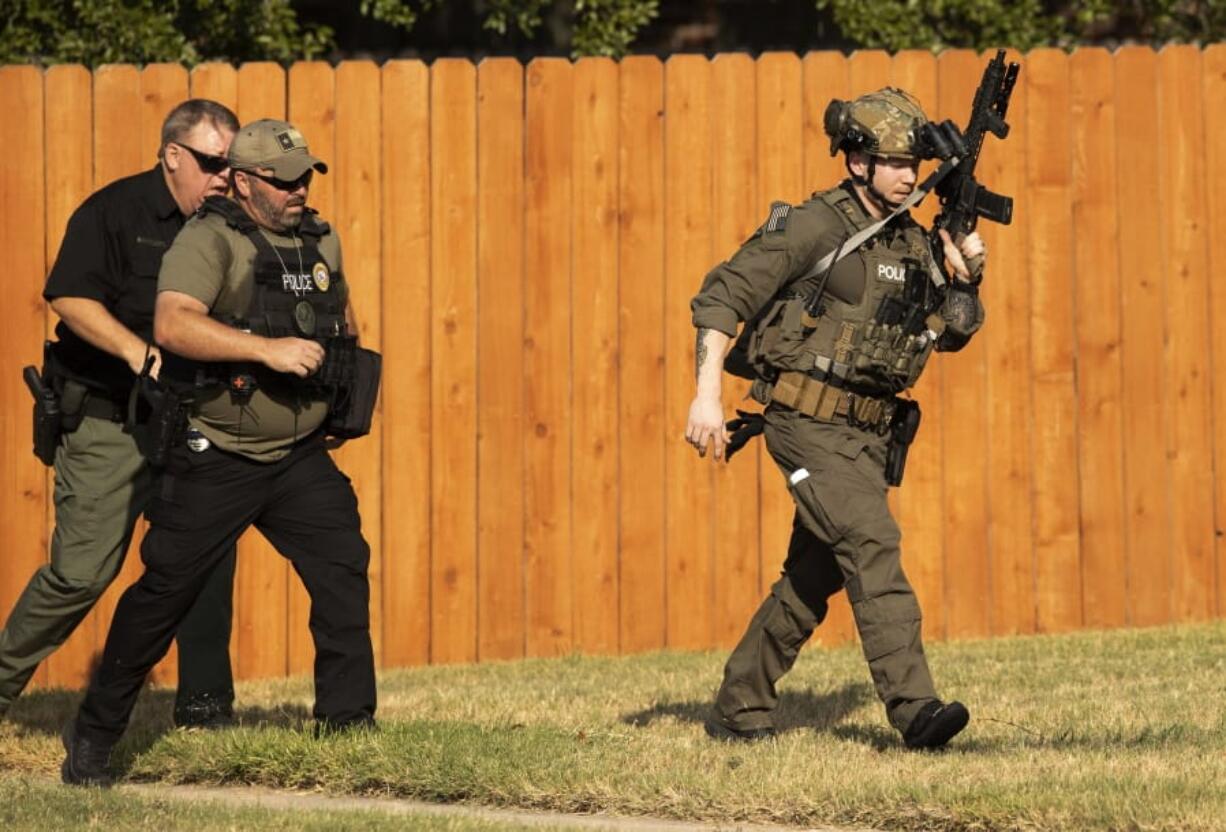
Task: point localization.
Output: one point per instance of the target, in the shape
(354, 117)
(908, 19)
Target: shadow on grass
(797, 709)
(46, 712)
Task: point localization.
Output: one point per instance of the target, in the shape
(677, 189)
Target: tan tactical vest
(877, 347)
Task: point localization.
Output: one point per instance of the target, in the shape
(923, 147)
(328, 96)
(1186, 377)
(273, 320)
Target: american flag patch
(778, 220)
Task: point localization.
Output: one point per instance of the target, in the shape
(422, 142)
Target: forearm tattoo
(700, 351)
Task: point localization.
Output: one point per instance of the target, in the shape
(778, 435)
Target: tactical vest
(294, 294)
(877, 347)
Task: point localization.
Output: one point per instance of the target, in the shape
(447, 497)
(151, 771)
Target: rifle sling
(826, 264)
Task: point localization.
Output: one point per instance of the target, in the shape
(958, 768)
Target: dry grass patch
(1118, 730)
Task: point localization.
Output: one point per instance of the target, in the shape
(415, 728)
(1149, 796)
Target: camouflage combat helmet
(884, 123)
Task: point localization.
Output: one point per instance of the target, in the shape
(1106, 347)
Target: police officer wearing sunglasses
(253, 311)
(102, 286)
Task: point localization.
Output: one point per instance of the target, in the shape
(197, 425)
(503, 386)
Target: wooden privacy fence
(523, 243)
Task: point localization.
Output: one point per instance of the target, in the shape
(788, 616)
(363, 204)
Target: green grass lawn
(1117, 730)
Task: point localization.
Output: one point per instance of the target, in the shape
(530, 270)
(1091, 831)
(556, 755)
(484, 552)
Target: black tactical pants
(843, 537)
(102, 485)
(203, 502)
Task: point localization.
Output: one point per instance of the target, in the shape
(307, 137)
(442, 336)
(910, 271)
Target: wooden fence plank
(1189, 430)
(116, 100)
(825, 76)
(1147, 561)
(405, 404)
(453, 400)
(1053, 346)
(644, 432)
(1006, 293)
(867, 71)
(963, 408)
(690, 517)
(116, 154)
(162, 86)
(736, 213)
(262, 576)
(216, 80)
(1214, 93)
(594, 343)
(358, 178)
(23, 510)
(69, 180)
(311, 107)
(500, 365)
(548, 567)
(918, 500)
(1097, 309)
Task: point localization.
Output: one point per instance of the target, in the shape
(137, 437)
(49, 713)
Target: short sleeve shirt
(214, 263)
(111, 253)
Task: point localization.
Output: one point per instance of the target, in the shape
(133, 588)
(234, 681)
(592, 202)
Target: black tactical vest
(294, 294)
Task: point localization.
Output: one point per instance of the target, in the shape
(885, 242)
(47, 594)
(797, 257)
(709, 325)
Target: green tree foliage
(1024, 24)
(142, 31)
(608, 27)
(525, 14)
(93, 32)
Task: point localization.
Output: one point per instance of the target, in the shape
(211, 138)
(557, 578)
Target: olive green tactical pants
(102, 485)
(843, 537)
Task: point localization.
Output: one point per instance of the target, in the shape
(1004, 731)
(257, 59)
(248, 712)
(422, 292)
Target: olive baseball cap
(278, 145)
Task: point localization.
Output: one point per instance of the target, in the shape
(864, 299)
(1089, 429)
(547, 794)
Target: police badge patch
(304, 318)
(321, 276)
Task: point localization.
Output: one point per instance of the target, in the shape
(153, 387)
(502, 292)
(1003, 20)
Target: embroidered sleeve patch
(778, 220)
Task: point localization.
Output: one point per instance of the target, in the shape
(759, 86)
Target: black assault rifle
(964, 200)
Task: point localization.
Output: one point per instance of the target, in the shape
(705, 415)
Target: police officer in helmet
(831, 334)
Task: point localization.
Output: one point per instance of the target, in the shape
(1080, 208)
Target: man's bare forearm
(709, 348)
(193, 334)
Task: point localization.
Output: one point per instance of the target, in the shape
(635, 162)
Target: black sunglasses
(287, 185)
(208, 163)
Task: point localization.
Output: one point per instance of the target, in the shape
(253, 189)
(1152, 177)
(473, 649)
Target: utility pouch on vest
(167, 420)
(353, 408)
(903, 428)
(47, 415)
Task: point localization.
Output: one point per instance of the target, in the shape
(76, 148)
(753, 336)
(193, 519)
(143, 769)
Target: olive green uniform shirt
(736, 290)
(214, 263)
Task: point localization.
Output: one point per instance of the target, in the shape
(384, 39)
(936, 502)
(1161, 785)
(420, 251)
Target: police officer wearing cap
(102, 286)
(833, 331)
(252, 309)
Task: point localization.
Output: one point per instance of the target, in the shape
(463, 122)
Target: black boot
(86, 761)
(936, 724)
(717, 730)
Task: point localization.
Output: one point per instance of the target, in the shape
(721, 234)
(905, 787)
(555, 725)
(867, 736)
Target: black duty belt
(98, 407)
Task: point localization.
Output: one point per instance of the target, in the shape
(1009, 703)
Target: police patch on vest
(321, 276)
(892, 272)
(298, 284)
